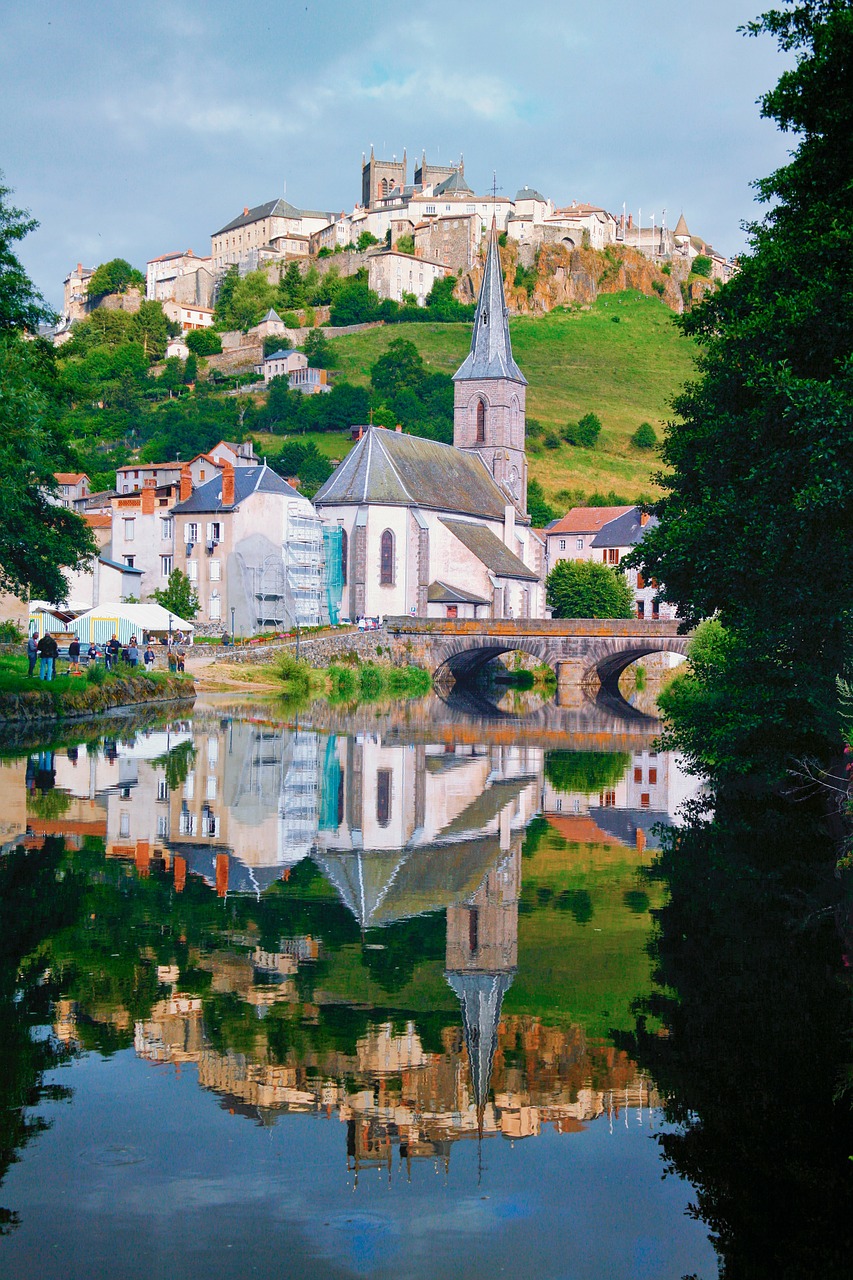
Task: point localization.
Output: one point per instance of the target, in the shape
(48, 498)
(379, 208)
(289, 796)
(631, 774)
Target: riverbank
(74, 697)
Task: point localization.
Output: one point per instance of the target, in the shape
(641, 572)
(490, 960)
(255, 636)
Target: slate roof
(681, 227)
(271, 315)
(625, 531)
(440, 593)
(247, 480)
(491, 350)
(389, 468)
(529, 193)
(454, 185)
(272, 209)
(489, 550)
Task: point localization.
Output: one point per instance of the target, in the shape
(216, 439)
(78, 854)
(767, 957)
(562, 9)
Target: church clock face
(513, 481)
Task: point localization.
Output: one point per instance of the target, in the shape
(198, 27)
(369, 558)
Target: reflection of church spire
(481, 996)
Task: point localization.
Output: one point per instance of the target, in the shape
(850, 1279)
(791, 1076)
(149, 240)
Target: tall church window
(344, 552)
(481, 422)
(515, 422)
(383, 797)
(386, 559)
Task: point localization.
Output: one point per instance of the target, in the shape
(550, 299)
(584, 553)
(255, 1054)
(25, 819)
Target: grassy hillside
(624, 359)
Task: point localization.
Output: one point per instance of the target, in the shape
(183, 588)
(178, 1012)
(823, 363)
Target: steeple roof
(681, 227)
(491, 350)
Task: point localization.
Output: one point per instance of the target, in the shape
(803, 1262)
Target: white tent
(126, 620)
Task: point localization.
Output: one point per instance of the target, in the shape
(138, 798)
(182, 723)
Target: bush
(659, 287)
(294, 674)
(645, 437)
(552, 440)
(95, 673)
(588, 589)
(585, 432)
(11, 633)
(701, 265)
(204, 342)
(406, 244)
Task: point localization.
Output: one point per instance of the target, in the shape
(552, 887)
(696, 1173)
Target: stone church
(436, 530)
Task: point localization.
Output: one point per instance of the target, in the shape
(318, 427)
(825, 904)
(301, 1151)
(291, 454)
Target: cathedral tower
(490, 389)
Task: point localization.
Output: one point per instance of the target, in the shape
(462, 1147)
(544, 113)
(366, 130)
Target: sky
(132, 130)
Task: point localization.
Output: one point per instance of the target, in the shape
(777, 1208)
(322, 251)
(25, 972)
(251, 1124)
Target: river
(414, 990)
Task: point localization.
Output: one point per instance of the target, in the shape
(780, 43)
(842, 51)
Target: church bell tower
(489, 395)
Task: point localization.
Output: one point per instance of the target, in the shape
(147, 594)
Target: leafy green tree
(152, 329)
(585, 432)
(400, 365)
(587, 589)
(365, 240)
(701, 265)
(405, 244)
(354, 302)
(585, 771)
(540, 511)
(645, 437)
(291, 289)
(224, 296)
(319, 350)
(178, 596)
(204, 342)
(21, 307)
(115, 276)
(103, 328)
(758, 489)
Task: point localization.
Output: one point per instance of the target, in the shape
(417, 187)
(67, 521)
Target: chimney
(245, 210)
(644, 518)
(227, 484)
(149, 496)
(186, 482)
(630, 221)
(79, 268)
(398, 429)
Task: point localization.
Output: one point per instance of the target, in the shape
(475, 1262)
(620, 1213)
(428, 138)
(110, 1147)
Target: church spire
(491, 350)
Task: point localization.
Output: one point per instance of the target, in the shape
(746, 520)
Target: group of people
(45, 651)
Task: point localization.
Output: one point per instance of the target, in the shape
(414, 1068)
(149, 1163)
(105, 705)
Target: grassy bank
(346, 683)
(28, 698)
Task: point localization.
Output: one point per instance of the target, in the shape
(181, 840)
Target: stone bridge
(585, 653)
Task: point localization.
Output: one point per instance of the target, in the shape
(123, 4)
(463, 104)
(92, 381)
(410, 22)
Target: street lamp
(233, 611)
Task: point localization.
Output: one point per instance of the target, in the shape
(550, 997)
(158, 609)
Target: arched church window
(383, 187)
(481, 422)
(383, 797)
(344, 554)
(386, 559)
(515, 422)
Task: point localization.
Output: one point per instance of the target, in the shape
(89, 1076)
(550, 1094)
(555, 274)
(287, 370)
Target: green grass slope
(623, 359)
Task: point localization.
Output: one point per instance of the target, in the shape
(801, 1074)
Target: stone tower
(490, 389)
(378, 177)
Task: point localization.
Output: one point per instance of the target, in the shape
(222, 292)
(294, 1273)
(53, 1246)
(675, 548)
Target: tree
(540, 511)
(757, 509)
(400, 365)
(701, 265)
(585, 432)
(645, 437)
(291, 289)
(224, 295)
(204, 342)
(178, 596)
(319, 350)
(21, 307)
(354, 302)
(365, 240)
(115, 276)
(151, 329)
(587, 589)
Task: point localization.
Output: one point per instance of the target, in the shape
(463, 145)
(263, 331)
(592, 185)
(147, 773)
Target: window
(641, 608)
(129, 530)
(562, 544)
(641, 582)
(211, 786)
(167, 529)
(473, 931)
(653, 777)
(163, 824)
(124, 824)
(638, 774)
(214, 531)
(162, 789)
(481, 422)
(579, 544)
(655, 608)
(190, 532)
(130, 561)
(215, 606)
(612, 555)
(386, 559)
(192, 570)
(215, 570)
(344, 551)
(165, 566)
(645, 802)
(607, 799)
(383, 797)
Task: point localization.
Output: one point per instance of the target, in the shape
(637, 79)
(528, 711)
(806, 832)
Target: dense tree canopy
(587, 589)
(757, 515)
(116, 276)
(21, 307)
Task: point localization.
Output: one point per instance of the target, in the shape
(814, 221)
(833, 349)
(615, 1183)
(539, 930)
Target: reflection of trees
(585, 771)
(758, 1017)
(29, 909)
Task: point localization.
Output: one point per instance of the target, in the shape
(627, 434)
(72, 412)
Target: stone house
(75, 296)
(73, 488)
(438, 530)
(453, 240)
(393, 274)
(180, 277)
(263, 227)
(571, 537)
(281, 364)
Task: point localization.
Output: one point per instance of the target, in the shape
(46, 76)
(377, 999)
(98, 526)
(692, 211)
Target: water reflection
(421, 930)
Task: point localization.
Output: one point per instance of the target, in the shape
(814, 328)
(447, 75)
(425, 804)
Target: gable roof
(389, 468)
(529, 193)
(625, 531)
(491, 350)
(489, 550)
(271, 209)
(439, 592)
(585, 519)
(247, 480)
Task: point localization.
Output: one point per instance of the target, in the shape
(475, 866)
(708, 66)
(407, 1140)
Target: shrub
(204, 342)
(95, 673)
(585, 432)
(588, 589)
(533, 427)
(701, 265)
(406, 244)
(11, 633)
(645, 437)
(294, 674)
(659, 287)
(552, 440)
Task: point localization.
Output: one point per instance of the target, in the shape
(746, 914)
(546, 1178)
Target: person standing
(133, 653)
(148, 657)
(32, 651)
(47, 650)
(111, 652)
(74, 657)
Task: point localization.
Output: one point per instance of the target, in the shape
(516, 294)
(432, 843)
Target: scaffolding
(292, 588)
(333, 573)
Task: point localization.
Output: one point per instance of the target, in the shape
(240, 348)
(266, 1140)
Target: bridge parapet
(546, 627)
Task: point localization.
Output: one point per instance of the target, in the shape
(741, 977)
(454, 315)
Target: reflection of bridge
(582, 651)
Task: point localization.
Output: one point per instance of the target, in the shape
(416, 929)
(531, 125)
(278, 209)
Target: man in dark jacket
(33, 651)
(47, 650)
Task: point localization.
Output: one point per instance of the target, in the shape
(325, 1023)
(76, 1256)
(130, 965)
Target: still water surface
(337, 997)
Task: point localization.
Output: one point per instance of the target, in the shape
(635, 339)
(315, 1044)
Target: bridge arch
(463, 658)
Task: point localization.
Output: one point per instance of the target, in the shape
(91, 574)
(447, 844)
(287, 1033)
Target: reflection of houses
(247, 810)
